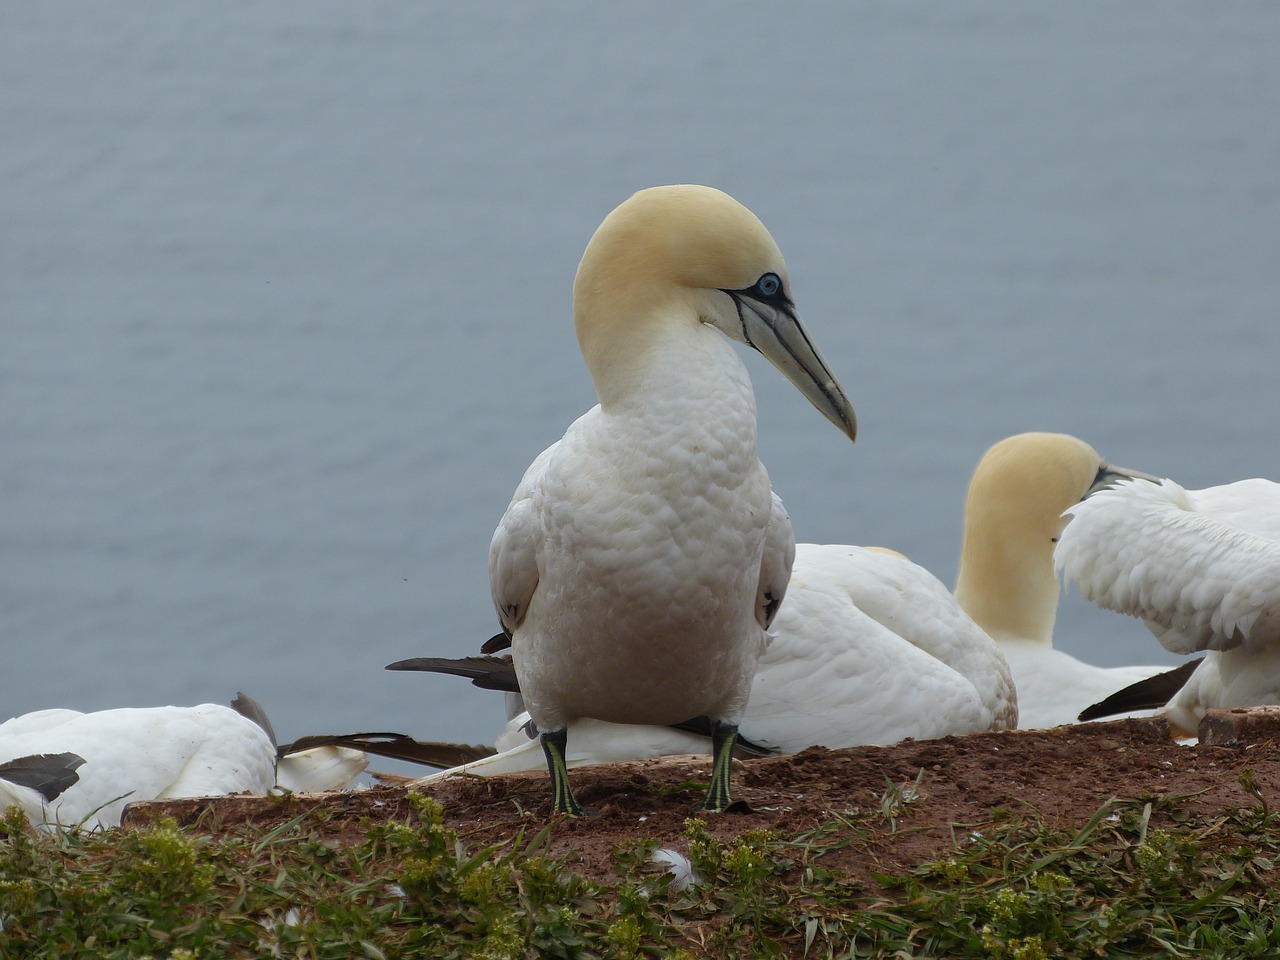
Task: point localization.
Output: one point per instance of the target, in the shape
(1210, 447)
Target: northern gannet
(1007, 582)
(1202, 569)
(868, 648)
(643, 556)
(110, 758)
(141, 754)
(31, 782)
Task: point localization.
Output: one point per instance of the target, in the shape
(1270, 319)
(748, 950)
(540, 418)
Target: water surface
(286, 298)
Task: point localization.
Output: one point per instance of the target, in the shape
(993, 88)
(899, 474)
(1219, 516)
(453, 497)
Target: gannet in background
(872, 649)
(1007, 583)
(868, 648)
(643, 556)
(95, 763)
(1202, 569)
(32, 782)
(142, 754)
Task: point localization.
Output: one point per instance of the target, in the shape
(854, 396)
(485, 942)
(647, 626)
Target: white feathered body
(871, 648)
(320, 769)
(1201, 568)
(142, 754)
(630, 562)
(867, 648)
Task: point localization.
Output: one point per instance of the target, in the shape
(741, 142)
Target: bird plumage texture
(642, 556)
(1201, 568)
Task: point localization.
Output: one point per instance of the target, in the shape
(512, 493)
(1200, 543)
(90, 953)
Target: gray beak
(776, 332)
(1109, 474)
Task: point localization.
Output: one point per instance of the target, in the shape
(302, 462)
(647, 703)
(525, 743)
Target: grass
(1116, 887)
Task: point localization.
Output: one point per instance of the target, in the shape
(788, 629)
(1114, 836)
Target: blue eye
(768, 286)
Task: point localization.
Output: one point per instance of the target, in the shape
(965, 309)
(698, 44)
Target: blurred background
(285, 296)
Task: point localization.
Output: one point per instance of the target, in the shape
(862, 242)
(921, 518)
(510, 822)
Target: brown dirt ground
(1064, 774)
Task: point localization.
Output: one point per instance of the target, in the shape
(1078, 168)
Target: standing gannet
(869, 648)
(643, 556)
(1202, 569)
(1007, 583)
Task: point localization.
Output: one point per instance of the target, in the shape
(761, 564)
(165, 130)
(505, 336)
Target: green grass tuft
(1016, 889)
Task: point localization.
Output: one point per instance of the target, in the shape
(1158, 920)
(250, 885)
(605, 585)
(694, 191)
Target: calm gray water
(285, 295)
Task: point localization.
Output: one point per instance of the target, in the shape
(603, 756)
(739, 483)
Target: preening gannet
(66, 768)
(1202, 569)
(868, 648)
(643, 555)
(1007, 583)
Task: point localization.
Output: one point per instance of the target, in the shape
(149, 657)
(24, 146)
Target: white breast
(648, 528)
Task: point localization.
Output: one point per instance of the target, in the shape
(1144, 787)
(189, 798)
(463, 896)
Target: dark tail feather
(248, 707)
(487, 673)
(499, 641)
(743, 748)
(49, 774)
(499, 673)
(1149, 694)
(394, 746)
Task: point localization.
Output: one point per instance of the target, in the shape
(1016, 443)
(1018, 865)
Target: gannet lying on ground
(1202, 569)
(30, 782)
(643, 556)
(95, 763)
(876, 650)
(868, 648)
(1007, 582)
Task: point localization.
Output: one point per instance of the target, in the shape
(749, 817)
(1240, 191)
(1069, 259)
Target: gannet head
(1012, 519)
(693, 254)
(1023, 483)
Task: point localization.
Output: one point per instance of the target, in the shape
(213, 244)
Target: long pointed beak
(1108, 474)
(777, 333)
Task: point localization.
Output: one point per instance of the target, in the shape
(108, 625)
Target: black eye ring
(768, 286)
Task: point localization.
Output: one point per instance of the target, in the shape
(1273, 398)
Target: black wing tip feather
(499, 641)
(394, 746)
(485, 672)
(743, 748)
(1149, 694)
(249, 708)
(49, 774)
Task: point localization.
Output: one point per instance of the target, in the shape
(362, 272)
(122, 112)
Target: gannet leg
(723, 735)
(553, 745)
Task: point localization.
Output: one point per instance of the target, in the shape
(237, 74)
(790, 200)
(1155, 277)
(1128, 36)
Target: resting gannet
(1007, 583)
(81, 769)
(869, 648)
(644, 556)
(144, 753)
(1202, 569)
(873, 649)
(33, 781)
